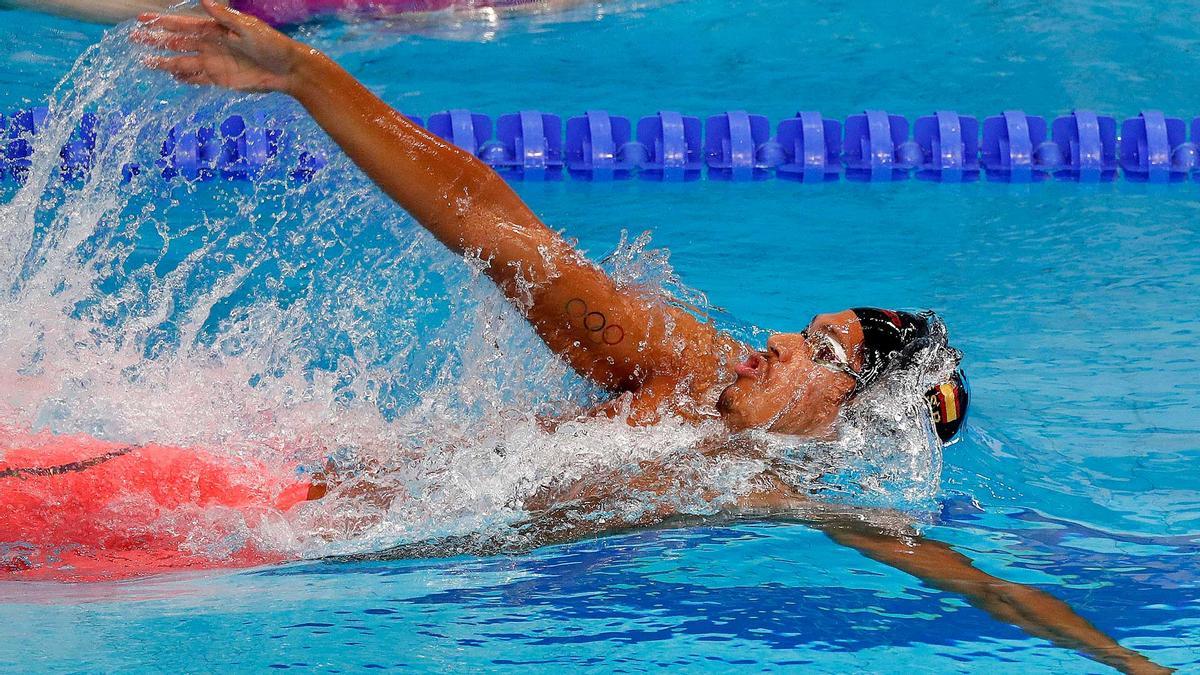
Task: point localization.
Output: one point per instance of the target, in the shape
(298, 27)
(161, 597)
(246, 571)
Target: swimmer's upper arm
(616, 337)
(619, 338)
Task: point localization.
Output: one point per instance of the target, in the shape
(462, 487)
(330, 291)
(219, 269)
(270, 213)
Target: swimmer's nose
(777, 348)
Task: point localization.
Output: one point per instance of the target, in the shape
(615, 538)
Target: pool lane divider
(530, 145)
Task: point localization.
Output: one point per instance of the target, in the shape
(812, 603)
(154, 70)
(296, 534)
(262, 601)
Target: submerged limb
(1036, 612)
(940, 566)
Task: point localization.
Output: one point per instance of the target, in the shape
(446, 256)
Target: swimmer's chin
(728, 410)
(735, 421)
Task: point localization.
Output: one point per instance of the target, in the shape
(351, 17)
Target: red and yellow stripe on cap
(948, 405)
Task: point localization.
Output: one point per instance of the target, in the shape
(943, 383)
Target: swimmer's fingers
(229, 18)
(187, 69)
(179, 24)
(194, 78)
(178, 42)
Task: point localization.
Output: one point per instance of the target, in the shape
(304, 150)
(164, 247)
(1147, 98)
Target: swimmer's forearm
(608, 334)
(442, 186)
(449, 191)
(1037, 612)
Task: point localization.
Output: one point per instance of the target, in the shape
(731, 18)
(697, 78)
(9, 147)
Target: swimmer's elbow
(482, 196)
(476, 211)
(484, 187)
(489, 188)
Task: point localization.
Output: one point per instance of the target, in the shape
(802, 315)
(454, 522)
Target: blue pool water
(1075, 306)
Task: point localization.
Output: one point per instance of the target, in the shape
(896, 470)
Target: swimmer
(275, 12)
(656, 359)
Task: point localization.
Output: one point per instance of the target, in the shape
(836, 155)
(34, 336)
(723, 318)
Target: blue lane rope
(947, 147)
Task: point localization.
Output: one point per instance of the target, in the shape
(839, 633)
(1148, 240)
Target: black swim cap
(890, 336)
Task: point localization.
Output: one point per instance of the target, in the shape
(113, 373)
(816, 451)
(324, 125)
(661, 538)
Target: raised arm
(611, 335)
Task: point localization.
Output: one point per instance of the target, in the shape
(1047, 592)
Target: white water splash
(290, 323)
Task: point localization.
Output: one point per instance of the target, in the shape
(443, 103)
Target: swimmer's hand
(227, 49)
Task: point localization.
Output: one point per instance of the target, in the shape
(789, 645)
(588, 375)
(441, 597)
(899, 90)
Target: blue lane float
(1153, 148)
(732, 143)
(597, 147)
(737, 145)
(1088, 144)
(877, 147)
(949, 146)
(811, 148)
(671, 147)
(463, 128)
(1008, 149)
(530, 146)
(19, 130)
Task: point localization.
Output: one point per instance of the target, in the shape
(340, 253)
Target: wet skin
(655, 357)
(800, 382)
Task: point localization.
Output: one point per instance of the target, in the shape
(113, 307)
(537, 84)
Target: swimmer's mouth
(754, 367)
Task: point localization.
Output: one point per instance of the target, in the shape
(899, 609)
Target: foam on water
(292, 323)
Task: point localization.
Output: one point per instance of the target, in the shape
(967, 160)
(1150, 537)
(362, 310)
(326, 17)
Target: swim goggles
(830, 355)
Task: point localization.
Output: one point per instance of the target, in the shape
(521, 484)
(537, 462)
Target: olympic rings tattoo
(600, 331)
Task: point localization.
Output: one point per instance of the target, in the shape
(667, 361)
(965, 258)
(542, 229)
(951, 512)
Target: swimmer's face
(798, 385)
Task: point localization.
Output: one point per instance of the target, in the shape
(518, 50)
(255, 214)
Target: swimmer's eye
(827, 351)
